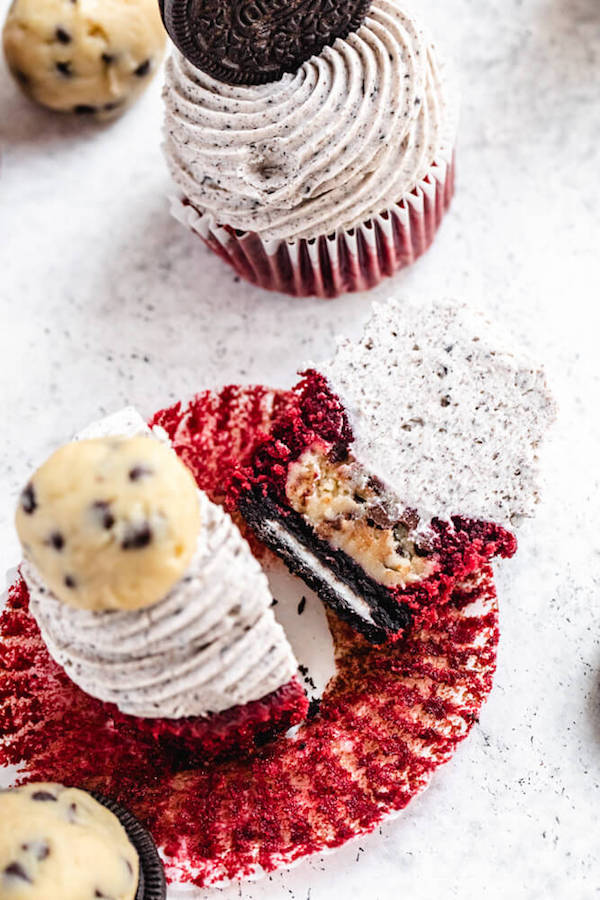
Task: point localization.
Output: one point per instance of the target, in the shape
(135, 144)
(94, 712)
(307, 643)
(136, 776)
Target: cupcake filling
(348, 509)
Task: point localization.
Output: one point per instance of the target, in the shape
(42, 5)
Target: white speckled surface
(104, 300)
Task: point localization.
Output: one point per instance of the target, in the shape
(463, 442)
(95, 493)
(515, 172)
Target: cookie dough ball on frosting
(110, 523)
(92, 57)
(59, 843)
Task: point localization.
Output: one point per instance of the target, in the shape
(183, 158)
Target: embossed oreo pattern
(256, 41)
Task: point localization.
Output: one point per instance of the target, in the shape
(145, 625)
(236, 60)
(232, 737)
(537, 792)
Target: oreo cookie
(256, 41)
(152, 884)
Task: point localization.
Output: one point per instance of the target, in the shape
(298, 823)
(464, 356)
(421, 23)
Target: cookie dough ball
(91, 57)
(59, 843)
(110, 523)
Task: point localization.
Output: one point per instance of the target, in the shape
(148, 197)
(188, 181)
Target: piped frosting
(210, 644)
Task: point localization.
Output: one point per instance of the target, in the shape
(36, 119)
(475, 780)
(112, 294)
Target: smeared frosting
(210, 644)
(347, 136)
(444, 411)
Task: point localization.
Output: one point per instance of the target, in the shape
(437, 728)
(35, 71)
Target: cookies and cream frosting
(444, 411)
(344, 138)
(211, 643)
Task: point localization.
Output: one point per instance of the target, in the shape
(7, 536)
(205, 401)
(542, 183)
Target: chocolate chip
(64, 68)
(40, 849)
(70, 582)
(301, 606)
(143, 69)
(63, 36)
(44, 797)
(83, 109)
(21, 76)
(102, 509)
(445, 401)
(16, 870)
(28, 501)
(140, 471)
(137, 538)
(56, 540)
(73, 811)
(108, 107)
(108, 58)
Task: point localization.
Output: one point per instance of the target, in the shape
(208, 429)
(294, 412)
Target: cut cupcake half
(404, 465)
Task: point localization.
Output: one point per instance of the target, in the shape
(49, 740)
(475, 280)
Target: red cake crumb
(315, 416)
(237, 729)
(390, 716)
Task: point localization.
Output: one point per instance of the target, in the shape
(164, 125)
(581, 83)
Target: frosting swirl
(344, 138)
(210, 644)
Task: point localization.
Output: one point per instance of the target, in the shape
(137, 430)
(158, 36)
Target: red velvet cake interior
(335, 525)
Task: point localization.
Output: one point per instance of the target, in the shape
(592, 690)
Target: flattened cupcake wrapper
(346, 261)
(152, 884)
(403, 707)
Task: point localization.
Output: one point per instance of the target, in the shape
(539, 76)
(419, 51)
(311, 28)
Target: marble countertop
(105, 300)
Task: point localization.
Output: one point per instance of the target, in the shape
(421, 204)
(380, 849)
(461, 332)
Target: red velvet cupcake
(316, 171)
(388, 717)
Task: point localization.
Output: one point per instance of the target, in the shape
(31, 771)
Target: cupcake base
(240, 729)
(344, 262)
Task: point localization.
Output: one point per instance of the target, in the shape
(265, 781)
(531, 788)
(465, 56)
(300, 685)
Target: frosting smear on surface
(444, 411)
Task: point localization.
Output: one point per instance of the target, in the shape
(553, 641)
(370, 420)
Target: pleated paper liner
(386, 720)
(347, 261)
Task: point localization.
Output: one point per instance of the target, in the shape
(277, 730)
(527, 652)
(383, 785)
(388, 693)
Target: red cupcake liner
(347, 261)
(386, 721)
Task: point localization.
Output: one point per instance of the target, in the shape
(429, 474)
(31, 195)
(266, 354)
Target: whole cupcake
(61, 843)
(149, 598)
(312, 148)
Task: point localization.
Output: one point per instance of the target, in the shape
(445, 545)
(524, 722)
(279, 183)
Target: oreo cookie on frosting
(256, 41)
